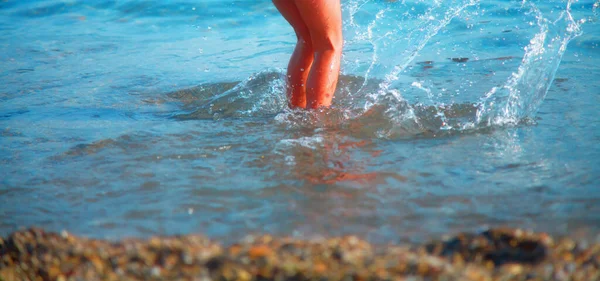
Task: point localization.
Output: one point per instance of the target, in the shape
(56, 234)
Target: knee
(331, 43)
(305, 42)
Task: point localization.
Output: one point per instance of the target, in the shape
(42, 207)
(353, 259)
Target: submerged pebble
(496, 254)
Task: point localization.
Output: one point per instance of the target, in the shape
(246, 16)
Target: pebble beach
(152, 140)
(494, 254)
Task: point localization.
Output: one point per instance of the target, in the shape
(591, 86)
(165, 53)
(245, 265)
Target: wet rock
(459, 59)
(500, 246)
(496, 254)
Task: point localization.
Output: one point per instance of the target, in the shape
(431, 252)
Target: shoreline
(495, 254)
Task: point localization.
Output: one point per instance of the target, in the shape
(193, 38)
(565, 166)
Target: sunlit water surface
(138, 118)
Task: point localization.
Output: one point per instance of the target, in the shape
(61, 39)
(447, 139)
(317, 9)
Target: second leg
(300, 63)
(324, 21)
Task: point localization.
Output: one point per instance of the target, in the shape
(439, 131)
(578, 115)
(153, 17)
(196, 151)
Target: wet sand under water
(495, 254)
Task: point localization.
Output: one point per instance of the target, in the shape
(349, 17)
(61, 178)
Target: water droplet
(190, 211)
(290, 160)
(302, 69)
(201, 50)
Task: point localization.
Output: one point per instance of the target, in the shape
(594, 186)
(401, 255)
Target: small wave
(385, 115)
(137, 9)
(366, 106)
(259, 95)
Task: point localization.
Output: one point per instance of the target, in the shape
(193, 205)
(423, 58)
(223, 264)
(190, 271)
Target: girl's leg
(324, 21)
(302, 58)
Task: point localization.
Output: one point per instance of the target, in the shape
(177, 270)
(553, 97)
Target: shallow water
(136, 118)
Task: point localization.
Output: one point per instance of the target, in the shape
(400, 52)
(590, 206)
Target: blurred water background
(136, 118)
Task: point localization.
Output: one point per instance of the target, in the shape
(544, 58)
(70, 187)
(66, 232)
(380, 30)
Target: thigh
(324, 21)
(289, 11)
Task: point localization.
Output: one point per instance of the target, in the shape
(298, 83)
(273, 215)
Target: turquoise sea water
(137, 118)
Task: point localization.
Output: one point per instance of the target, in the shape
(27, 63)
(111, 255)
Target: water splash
(258, 95)
(523, 93)
(519, 97)
(371, 104)
(427, 19)
(436, 18)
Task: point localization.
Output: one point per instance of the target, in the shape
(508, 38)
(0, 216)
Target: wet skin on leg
(318, 26)
(302, 58)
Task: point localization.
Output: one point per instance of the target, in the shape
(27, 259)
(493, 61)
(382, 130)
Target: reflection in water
(415, 144)
(326, 158)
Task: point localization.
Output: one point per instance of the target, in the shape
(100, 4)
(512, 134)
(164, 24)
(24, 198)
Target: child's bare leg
(324, 21)
(302, 58)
